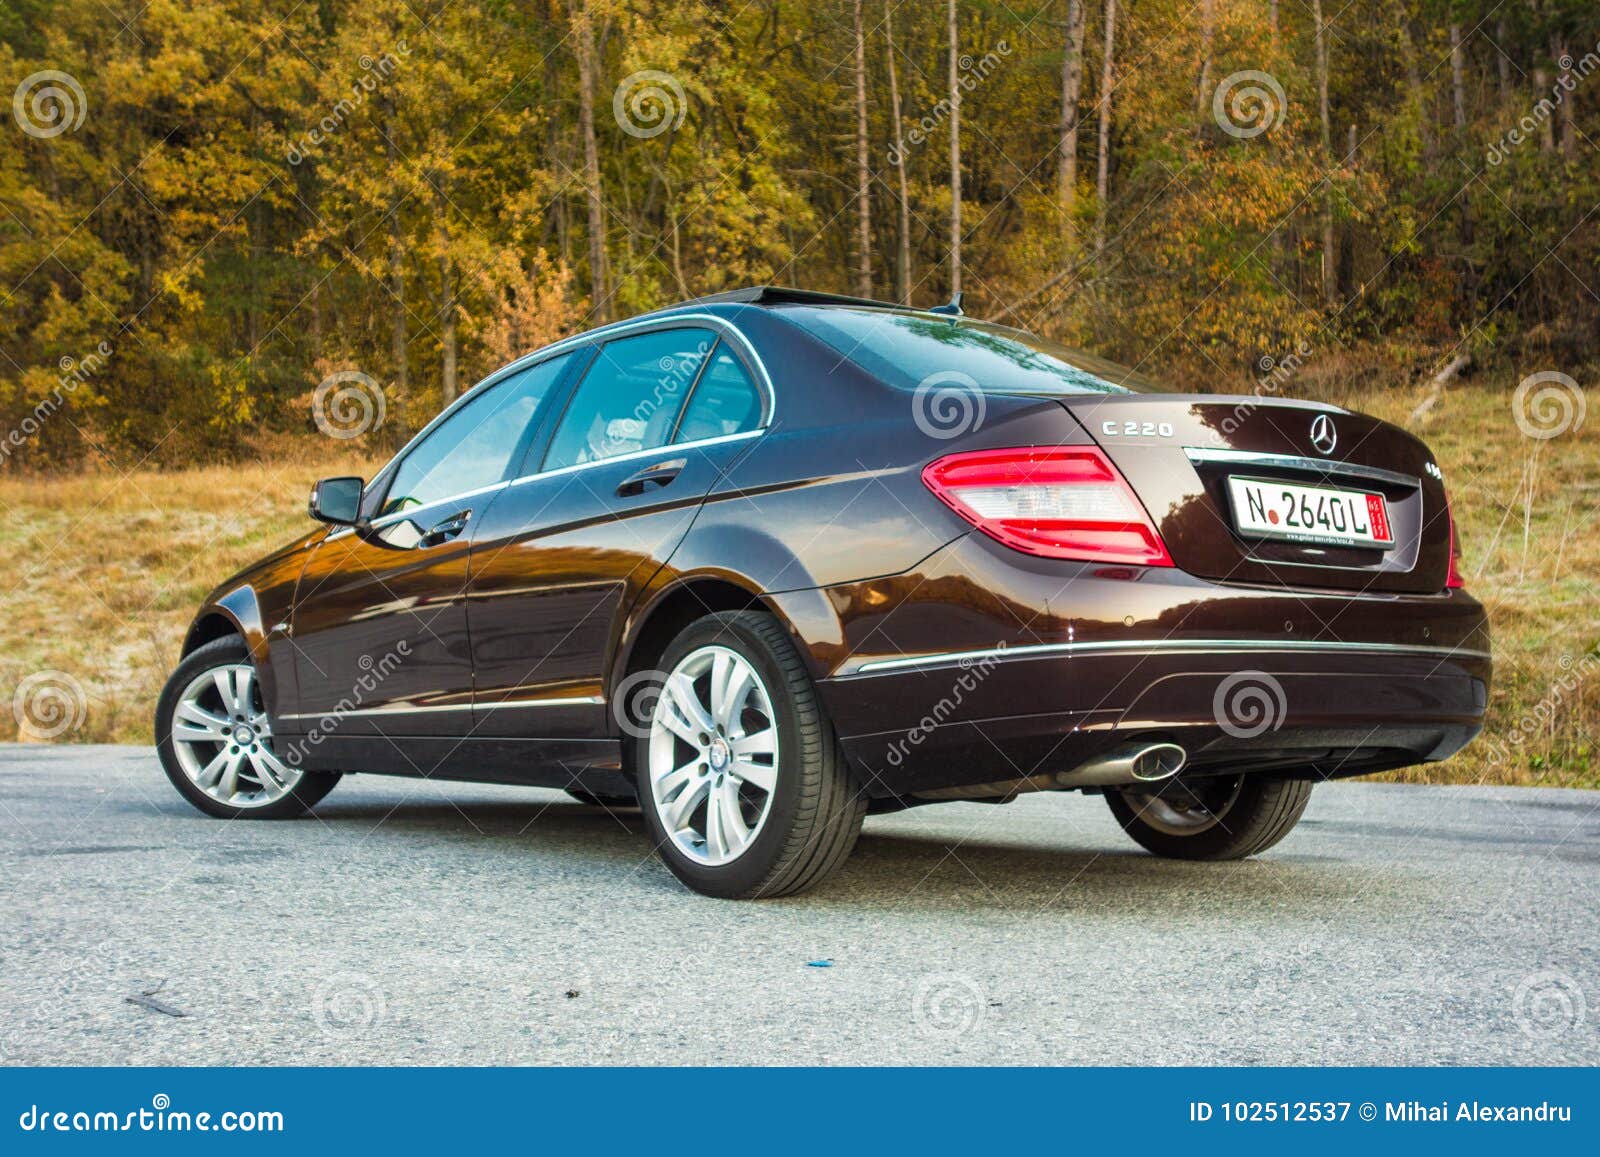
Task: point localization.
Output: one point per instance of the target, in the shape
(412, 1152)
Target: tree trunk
(903, 264)
(1208, 37)
(1071, 89)
(1565, 110)
(599, 291)
(1547, 128)
(955, 155)
(398, 336)
(1408, 49)
(447, 298)
(1458, 84)
(1330, 268)
(1102, 180)
(863, 172)
(1501, 57)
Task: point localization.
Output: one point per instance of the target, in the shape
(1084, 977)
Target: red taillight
(1453, 580)
(1058, 502)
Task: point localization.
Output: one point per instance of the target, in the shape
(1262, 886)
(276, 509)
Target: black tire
(305, 794)
(609, 802)
(1259, 811)
(817, 806)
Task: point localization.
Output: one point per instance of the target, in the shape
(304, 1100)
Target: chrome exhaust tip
(1135, 763)
(1159, 761)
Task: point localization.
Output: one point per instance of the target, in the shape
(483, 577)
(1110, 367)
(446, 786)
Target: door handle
(661, 474)
(442, 532)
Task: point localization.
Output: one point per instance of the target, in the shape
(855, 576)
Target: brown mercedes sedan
(766, 562)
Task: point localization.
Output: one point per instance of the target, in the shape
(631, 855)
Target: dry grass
(100, 573)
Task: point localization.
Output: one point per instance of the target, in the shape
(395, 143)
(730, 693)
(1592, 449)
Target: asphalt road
(415, 923)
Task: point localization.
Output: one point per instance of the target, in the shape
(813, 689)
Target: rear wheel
(742, 783)
(1211, 818)
(215, 740)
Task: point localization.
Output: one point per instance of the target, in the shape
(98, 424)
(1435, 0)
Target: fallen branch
(1437, 385)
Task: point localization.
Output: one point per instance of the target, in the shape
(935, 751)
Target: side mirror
(336, 500)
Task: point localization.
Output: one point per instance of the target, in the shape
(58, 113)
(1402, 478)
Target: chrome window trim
(1294, 462)
(1187, 646)
(579, 701)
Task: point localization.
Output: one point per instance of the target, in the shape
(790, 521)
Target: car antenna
(954, 308)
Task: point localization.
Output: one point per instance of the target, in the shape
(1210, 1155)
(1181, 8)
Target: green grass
(100, 573)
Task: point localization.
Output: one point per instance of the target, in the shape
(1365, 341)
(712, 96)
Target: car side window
(473, 447)
(631, 396)
(725, 401)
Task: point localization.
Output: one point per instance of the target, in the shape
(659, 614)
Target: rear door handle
(661, 474)
(442, 532)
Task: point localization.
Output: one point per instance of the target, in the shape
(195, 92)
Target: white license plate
(1266, 509)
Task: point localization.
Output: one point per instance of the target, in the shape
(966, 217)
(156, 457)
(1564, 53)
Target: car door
(657, 417)
(379, 629)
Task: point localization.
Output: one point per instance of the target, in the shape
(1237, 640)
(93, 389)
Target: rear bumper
(1327, 711)
(1048, 668)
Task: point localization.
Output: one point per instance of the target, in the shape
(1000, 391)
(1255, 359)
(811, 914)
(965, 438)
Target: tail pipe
(1134, 763)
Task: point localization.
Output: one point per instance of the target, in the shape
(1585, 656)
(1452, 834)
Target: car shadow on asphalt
(893, 868)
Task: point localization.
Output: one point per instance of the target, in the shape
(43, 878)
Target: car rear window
(906, 349)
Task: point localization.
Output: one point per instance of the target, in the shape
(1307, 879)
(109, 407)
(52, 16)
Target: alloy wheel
(223, 739)
(713, 755)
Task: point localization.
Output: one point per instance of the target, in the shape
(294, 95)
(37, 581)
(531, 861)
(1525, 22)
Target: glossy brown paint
(823, 519)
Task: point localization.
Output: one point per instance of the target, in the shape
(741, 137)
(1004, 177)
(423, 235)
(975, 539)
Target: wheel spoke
(667, 785)
(672, 718)
(735, 690)
(211, 773)
(731, 820)
(756, 743)
(761, 775)
(680, 809)
(688, 702)
(716, 839)
(273, 775)
(194, 724)
(229, 786)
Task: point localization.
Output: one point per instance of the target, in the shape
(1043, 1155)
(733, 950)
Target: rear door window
(631, 397)
(725, 401)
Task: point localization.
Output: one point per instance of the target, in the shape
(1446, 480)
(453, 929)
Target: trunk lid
(1178, 451)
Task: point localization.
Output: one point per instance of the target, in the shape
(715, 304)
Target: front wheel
(215, 740)
(1211, 818)
(742, 783)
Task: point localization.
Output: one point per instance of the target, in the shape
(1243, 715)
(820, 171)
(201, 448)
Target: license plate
(1267, 509)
